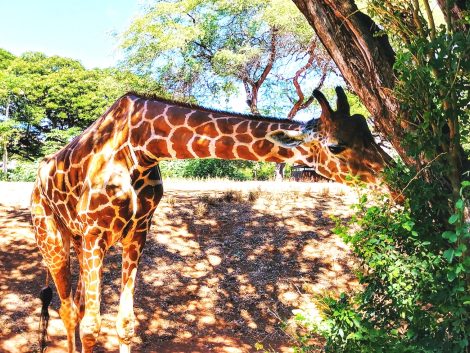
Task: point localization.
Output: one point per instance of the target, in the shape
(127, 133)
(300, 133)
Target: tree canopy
(48, 100)
(211, 49)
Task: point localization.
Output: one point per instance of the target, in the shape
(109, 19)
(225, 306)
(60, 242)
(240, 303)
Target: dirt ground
(225, 266)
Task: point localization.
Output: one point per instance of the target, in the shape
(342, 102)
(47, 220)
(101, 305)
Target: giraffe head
(340, 144)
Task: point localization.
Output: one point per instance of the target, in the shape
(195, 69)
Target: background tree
(51, 99)
(8, 137)
(208, 49)
(47, 101)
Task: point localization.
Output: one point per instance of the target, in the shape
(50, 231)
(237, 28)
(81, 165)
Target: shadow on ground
(221, 271)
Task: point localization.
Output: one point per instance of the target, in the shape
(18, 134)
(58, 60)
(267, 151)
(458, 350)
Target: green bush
(25, 171)
(217, 168)
(414, 298)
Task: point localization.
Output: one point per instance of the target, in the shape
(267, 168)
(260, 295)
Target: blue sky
(78, 29)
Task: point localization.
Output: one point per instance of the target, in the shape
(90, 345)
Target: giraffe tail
(46, 297)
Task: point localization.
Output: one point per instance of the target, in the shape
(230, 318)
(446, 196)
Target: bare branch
(272, 57)
(207, 52)
(192, 18)
(300, 104)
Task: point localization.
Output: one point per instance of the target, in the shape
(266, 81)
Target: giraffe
(104, 186)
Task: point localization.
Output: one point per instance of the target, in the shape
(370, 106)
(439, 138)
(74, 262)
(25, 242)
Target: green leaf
(460, 250)
(408, 225)
(451, 236)
(451, 275)
(459, 204)
(454, 218)
(449, 254)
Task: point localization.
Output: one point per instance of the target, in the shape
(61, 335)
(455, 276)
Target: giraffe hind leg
(79, 297)
(56, 255)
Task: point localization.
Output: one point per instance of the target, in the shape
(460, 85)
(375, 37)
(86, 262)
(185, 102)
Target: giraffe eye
(336, 149)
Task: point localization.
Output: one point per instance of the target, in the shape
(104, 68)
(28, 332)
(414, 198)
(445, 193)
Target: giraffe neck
(165, 131)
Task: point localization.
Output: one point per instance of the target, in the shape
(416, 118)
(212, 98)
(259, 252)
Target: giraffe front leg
(125, 323)
(94, 249)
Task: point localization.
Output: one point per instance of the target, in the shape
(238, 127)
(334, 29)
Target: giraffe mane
(155, 97)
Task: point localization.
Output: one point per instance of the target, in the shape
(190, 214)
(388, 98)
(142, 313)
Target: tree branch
(430, 18)
(207, 52)
(416, 18)
(272, 57)
(295, 81)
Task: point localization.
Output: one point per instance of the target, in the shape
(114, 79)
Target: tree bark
(279, 171)
(5, 145)
(364, 58)
(455, 11)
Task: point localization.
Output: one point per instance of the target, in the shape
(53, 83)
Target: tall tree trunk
(5, 160)
(5, 145)
(279, 171)
(364, 58)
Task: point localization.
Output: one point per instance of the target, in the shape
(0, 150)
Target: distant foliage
(216, 168)
(24, 171)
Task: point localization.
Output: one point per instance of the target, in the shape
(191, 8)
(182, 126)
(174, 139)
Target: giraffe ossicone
(104, 186)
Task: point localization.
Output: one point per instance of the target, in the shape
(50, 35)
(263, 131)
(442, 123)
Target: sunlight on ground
(221, 270)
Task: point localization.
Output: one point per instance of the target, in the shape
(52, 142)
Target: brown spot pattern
(262, 147)
(201, 147)
(208, 130)
(224, 147)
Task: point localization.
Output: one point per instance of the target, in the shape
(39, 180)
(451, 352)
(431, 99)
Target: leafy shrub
(25, 171)
(217, 168)
(414, 297)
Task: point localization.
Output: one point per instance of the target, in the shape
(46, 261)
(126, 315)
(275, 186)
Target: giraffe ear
(342, 105)
(326, 110)
(287, 138)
